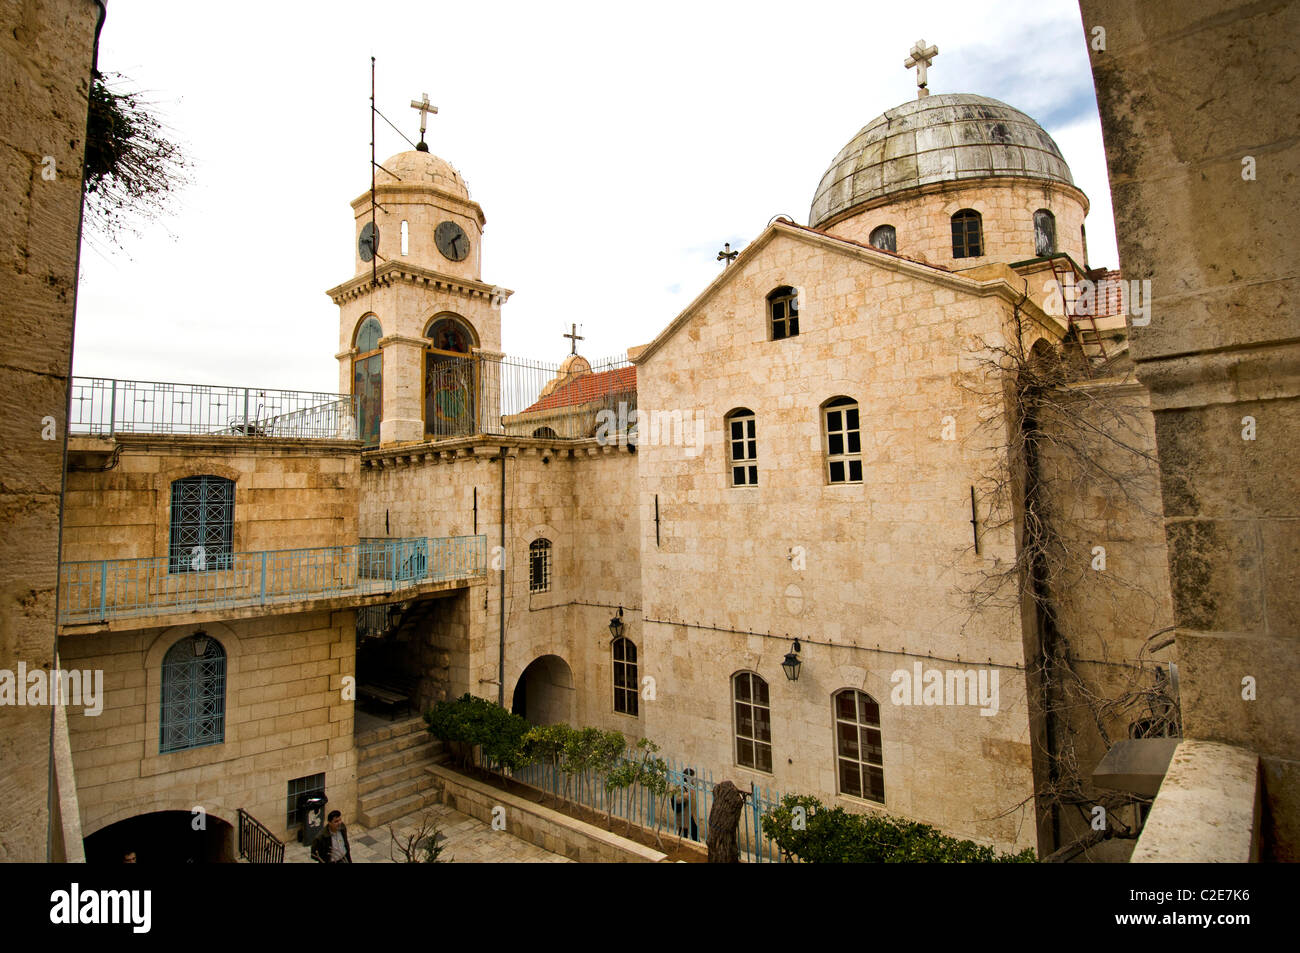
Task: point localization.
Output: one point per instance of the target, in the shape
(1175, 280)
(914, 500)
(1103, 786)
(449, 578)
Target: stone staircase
(391, 777)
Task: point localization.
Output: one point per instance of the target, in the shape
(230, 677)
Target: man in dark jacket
(331, 844)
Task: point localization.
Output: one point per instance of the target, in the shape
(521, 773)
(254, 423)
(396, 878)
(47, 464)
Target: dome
(940, 138)
(421, 168)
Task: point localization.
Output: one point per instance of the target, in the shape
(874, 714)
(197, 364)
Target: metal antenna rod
(374, 257)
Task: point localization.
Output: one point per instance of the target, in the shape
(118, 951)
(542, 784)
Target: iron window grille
(753, 722)
(539, 565)
(202, 524)
(193, 697)
(626, 683)
(312, 784)
(858, 747)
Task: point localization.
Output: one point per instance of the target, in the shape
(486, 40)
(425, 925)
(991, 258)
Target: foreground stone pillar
(45, 65)
(1198, 103)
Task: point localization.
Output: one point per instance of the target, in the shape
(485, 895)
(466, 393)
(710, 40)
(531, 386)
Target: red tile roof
(1110, 293)
(588, 387)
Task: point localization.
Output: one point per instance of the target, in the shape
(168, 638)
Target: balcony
(105, 408)
(169, 590)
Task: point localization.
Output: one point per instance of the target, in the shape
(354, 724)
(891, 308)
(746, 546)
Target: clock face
(368, 243)
(452, 241)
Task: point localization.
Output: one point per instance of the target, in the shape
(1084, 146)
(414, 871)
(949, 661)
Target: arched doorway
(544, 693)
(163, 837)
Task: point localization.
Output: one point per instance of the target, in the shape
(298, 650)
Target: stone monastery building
(798, 455)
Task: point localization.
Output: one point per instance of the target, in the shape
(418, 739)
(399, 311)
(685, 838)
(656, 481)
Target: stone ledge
(1208, 808)
(539, 825)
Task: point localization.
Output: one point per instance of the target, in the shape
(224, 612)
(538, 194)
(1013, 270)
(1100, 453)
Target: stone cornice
(484, 448)
(394, 272)
(1230, 376)
(226, 444)
(958, 185)
(361, 204)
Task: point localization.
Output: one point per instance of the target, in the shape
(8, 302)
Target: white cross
(423, 106)
(921, 58)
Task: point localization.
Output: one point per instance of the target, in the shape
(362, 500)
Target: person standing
(331, 844)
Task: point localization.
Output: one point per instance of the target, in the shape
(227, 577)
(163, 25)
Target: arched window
(202, 531)
(368, 379)
(842, 440)
(783, 312)
(449, 407)
(967, 234)
(546, 433)
(859, 754)
(753, 721)
(406, 238)
(626, 684)
(193, 695)
(539, 565)
(742, 447)
(884, 236)
(1044, 233)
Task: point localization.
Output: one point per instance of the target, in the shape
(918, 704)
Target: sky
(614, 148)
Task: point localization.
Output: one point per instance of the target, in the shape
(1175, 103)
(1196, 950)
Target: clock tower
(416, 318)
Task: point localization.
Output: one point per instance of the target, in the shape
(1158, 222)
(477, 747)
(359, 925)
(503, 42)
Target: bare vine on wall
(1072, 470)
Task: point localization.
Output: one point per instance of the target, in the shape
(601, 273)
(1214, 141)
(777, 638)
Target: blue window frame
(193, 695)
(202, 524)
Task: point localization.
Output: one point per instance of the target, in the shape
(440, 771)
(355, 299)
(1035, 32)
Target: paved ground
(464, 839)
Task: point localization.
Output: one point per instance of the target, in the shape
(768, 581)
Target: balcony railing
(106, 407)
(100, 590)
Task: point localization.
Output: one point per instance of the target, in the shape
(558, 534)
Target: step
(380, 779)
(396, 759)
(391, 812)
(379, 749)
(403, 727)
(391, 793)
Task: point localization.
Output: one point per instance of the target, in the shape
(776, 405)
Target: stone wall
(46, 55)
(1203, 165)
(289, 494)
(285, 719)
(923, 220)
(869, 575)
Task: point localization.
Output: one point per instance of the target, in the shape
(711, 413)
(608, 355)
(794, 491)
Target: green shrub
(821, 835)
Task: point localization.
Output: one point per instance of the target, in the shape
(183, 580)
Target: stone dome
(422, 168)
(939, 138)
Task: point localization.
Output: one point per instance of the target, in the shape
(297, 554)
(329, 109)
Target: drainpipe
(501, 594)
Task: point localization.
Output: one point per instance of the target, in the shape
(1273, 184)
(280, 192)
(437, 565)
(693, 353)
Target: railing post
(245, 411)
(263, 570)
(112, 408)
(103, 588)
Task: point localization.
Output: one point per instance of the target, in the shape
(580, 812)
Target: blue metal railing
(102, 407)
(683, 814)
(98, 590)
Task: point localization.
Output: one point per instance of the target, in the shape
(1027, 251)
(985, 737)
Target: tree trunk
(724, 824)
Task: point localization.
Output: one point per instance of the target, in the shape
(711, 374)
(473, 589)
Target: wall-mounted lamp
(792, 663)
(200, 643)
(616, 625)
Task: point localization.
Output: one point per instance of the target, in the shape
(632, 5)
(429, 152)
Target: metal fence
(103, 407)
(526, 398)
(683, 814)
(257, 844)
(98, 590)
